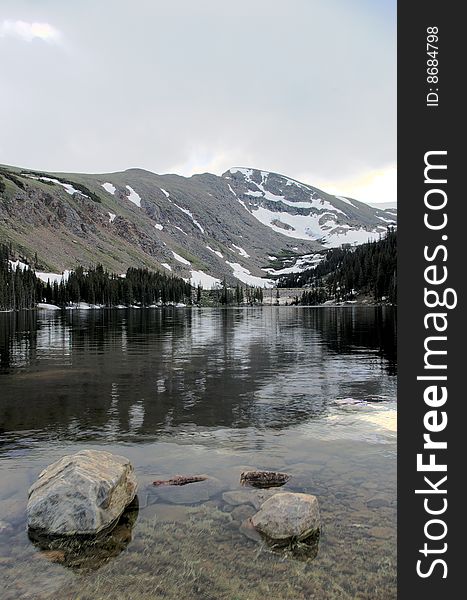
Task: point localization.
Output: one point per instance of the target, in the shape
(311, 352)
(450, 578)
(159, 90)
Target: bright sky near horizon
(306, 88)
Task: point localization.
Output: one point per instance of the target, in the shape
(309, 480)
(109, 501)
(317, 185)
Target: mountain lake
(306, 391)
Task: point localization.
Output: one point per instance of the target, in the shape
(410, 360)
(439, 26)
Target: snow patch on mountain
(244, 171)
(307, 261)
(134, 196)
(290, 182)
(204, 280)
(247, 173)
(304, 227)
(241, 251)
(317, 227)
(352, 236)
(109, 187)
(315, 201)
(45, 277)
(112, 217)
(238, 199)
(53, 277)
(346, 200)
(167, 266)
(190, 214)
(180, 229)
(180, 259)
(219, 254)
(244, 275)
(391, 221)
(69, 189)
(17, 264)
(159, 226)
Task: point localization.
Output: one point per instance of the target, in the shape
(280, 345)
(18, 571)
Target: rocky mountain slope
(247, 224)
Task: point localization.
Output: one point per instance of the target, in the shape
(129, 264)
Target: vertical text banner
(432, 323)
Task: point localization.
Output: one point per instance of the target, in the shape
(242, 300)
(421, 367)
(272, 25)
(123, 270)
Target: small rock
(287, 516)
(180, 480)
(201, 491)
(83, 493)
(264, 479)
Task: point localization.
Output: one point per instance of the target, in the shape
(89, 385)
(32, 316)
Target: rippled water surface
(204, 391)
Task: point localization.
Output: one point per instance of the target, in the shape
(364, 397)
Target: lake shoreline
(85, 306)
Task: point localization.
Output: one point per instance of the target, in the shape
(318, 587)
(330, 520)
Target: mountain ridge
(246, 224)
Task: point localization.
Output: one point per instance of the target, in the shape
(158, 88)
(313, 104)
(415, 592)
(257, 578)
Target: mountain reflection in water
(146, 372)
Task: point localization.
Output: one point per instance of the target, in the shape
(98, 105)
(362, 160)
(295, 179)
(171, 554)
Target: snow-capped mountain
(246, 225)
(303, 212)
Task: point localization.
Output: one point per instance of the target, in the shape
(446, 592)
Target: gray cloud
(298, 87)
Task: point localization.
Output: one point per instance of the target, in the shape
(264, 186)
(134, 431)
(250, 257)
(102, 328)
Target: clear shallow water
(205, 391)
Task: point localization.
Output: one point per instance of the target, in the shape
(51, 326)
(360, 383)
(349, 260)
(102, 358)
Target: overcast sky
(306, 88)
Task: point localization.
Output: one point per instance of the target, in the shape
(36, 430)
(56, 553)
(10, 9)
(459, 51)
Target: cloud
(28, 32)
(374, 186)
(169, 88)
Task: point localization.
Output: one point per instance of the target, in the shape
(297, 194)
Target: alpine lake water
(307, 391)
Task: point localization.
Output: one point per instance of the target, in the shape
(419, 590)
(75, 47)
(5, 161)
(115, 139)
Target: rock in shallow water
(83, 493)
(195, 493)
(264, 479)
(288, 516)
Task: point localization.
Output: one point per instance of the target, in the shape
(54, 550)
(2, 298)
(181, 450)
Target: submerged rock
(242, 512)
(81, 494)
(287, 517)
(201, 491)
(180, 480)
(264, 479)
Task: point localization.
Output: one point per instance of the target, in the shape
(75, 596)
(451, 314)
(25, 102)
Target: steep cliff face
(246, 224)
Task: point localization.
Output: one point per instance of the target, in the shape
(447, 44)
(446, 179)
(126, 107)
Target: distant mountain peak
(301, 211)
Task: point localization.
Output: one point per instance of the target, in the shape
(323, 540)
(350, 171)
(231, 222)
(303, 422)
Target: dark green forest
(369, 269)
(20, 288)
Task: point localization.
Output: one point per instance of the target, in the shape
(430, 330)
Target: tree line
(21, 288)
(18, 288)
(369, 269)
(224, 295)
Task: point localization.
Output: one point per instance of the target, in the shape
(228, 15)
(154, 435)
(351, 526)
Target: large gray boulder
(288, 516)
(83, 493)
